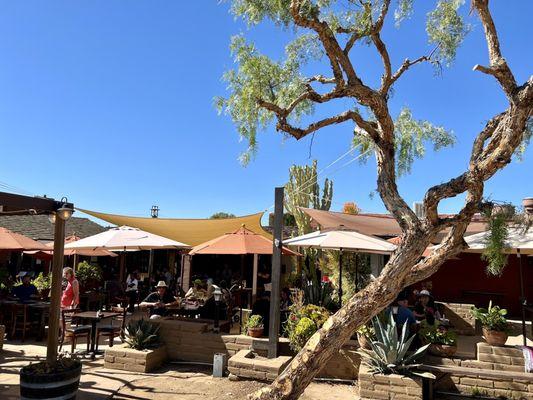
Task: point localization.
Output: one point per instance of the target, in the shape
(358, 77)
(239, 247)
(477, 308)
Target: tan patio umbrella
(242, 241)
(12, 241)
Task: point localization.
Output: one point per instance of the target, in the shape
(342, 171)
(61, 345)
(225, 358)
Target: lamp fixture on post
(154, 211)
(217, 294)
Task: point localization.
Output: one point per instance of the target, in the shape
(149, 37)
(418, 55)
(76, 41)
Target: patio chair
(111, 330)
(20, 320)
(73, 332)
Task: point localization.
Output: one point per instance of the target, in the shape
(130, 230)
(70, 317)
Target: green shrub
(435, 335)
(367, 331)
(255, 321)
(88, 275)
(43, 282)
(303, 322)
(142, 334)
(492, 318)
(390, 352)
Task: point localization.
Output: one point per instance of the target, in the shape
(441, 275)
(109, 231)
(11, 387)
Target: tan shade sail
(190, 231)
(10, 240)
(242, 241)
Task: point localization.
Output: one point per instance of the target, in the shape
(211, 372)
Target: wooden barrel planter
(61, 385)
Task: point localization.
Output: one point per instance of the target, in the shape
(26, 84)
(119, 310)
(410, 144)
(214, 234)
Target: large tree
(264, 90)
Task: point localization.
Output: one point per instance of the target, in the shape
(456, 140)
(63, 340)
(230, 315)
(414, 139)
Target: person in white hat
(424, 310)
(159, 301)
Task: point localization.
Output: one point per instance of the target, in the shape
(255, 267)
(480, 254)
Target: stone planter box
(388, 387)
(2, 334)
(125, 358)
(250, 365)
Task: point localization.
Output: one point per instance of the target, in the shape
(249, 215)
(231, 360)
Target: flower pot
(363, 341)
(62, 384)
(494, 338)
(442, 350)
(255, 332)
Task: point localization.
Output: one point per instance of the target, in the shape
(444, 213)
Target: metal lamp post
(217, 294)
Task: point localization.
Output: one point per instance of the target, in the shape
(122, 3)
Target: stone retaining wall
(460, 317)
(193, 341)
(246, 364)
(388, 387)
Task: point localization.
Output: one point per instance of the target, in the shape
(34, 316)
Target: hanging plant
(498, 219)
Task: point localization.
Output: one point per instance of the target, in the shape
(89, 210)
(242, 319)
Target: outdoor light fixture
(154, 211)
(217, 294)
(64, 212)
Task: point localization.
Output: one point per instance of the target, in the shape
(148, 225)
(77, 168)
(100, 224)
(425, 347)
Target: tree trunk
(342, 325)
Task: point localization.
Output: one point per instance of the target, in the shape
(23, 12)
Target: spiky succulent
(390, 353)
(142, 334)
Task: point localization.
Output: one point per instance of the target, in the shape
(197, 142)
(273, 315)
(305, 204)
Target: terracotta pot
(255, 332)
(494, 338)
(363, 341)
(442, 350)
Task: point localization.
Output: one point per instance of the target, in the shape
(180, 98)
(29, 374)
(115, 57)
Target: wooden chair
(20, 320)
(111, 330)
(73, 332)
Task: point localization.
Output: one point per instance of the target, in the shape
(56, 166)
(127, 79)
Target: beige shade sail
(12, 241)
(242, 241)
(191, 231)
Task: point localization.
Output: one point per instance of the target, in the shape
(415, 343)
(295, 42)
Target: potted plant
(255, 326)
(365, 334)
(43, 283)
(44, 380)
(442, 342)
(494, 324)
(390, 363)
(142, 343)
(88, 275)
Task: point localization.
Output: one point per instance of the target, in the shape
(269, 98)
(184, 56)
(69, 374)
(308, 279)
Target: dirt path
(200, 386)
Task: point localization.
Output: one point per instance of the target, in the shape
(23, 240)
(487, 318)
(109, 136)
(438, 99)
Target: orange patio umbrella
(242, 241)
(12, 241)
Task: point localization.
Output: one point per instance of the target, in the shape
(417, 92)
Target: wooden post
(122, 271)
(186, 274)
(273, 331)
(55, 292)
(254, 278)
(151, 264)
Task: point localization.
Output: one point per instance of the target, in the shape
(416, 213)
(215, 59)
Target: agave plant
(142, 334)
(389, 354)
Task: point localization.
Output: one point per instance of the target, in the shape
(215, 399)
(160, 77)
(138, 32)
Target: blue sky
(110, 103)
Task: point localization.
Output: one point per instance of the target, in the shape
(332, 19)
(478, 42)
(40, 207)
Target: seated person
(403, 314)
(27, 291)
(159, 301)
(425, 308)
(196, 292)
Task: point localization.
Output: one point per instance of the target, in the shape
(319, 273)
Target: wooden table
(94, 318)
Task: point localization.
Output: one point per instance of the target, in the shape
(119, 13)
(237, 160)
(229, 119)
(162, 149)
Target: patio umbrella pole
(340, 277)
(57, 266)
(522, 298)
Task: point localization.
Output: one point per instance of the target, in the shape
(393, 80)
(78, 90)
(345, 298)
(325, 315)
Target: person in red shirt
(71, 295)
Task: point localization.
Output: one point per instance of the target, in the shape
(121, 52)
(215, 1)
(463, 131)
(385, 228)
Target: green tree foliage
(222, 215)
(259, 79)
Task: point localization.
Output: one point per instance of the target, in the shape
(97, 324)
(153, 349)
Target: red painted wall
(467, 273)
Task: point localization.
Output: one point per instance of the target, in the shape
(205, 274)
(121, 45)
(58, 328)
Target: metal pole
(340, 277)
(55, 292)
(216, 326)
(273, 332)
(522, 297)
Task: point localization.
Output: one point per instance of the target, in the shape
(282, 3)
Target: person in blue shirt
(404, 314)
(26, 291)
